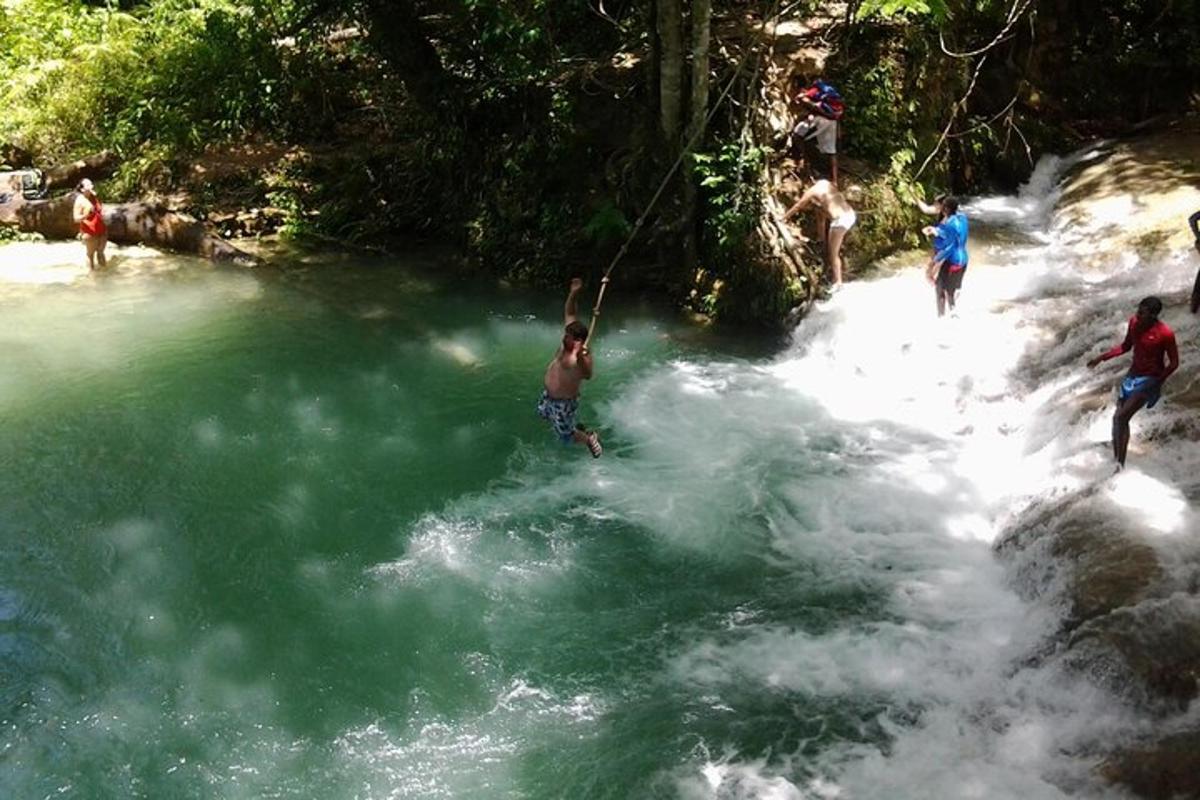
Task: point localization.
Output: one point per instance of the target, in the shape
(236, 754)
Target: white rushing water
(802, 545)
(887, 448)
(963, 423)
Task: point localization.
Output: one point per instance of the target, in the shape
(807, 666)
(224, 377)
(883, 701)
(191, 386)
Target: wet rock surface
(1162, 770)
(1124, 567)
(1149, 653)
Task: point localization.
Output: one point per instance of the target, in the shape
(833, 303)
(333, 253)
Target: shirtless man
(571, 366)
(1150, 340)
(89, 215)
(832, 211)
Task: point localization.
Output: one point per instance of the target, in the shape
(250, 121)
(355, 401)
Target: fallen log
(95, 167)
(15, 157)
(150, 224)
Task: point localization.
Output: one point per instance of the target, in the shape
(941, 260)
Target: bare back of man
(564, 375)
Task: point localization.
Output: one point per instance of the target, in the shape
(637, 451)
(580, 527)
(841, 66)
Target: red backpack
(829, 102)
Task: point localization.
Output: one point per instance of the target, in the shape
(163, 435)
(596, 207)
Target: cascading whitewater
(302, 535)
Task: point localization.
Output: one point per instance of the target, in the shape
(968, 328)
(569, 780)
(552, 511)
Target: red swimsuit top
(93, 223)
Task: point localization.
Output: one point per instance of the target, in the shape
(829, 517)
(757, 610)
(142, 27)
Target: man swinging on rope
(571, 366)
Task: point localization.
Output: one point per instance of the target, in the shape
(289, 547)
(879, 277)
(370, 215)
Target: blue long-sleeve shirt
(950, 240)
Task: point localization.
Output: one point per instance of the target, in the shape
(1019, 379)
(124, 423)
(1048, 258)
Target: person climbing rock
(948, 264)
(570, 367)
(89, 214)
(1151, 340)
(819, 108)
(835, 218)
(1194, 222)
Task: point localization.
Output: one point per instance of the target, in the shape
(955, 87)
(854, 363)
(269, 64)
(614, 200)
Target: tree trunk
(399, 35)
(128, 223)
(670, 96)
(653, 63)
(701, 37)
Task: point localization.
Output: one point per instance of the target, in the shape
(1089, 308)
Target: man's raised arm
(927, 208)
(571, 311)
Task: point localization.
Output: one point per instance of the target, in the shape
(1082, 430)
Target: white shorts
(846, 220)
(819, 128)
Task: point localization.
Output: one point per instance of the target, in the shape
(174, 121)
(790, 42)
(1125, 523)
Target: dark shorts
(560, 414)
(950, 277)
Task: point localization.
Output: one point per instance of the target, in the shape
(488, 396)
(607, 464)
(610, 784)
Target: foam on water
(778, 582)
(887, 449)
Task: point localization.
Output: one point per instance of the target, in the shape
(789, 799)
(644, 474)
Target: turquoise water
(298, 533)
(301, 535)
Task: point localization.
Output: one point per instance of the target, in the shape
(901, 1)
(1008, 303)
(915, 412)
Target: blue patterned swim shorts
(560, 413)
(1143, 384)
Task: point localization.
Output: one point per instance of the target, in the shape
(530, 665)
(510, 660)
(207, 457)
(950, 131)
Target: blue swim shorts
(560, 413)
(1144, 384)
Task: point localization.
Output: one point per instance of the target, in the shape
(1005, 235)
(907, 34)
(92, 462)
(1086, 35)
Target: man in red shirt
(1150, 340)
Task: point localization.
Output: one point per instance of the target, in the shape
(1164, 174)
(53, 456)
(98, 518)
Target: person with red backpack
(820, 108)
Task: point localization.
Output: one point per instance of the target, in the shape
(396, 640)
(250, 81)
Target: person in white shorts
(834, 213)
(820, 128)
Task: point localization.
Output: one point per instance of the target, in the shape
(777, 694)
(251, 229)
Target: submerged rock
(1167, 768)
(1075, 554)
(1149, 653)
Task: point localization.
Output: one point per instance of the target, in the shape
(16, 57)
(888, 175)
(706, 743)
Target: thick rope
(691, 142)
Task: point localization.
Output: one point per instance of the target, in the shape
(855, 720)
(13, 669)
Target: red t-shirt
(1149, 349)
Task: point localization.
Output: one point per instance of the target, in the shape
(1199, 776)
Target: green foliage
(1131, 58)
(607, 225)
(729, 181)
(172, 76)
(883, 114)
(889, 9)
(739, 282)
(8, 234)
(892, 221)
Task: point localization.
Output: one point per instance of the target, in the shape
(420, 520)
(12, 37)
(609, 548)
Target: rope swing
(691, 142)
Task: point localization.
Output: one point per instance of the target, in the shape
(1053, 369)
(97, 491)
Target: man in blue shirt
(949, 261)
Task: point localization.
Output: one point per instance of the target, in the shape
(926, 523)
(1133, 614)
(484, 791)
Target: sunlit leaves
(935, 9)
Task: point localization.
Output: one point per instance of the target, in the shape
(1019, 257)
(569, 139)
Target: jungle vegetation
(532, 133)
